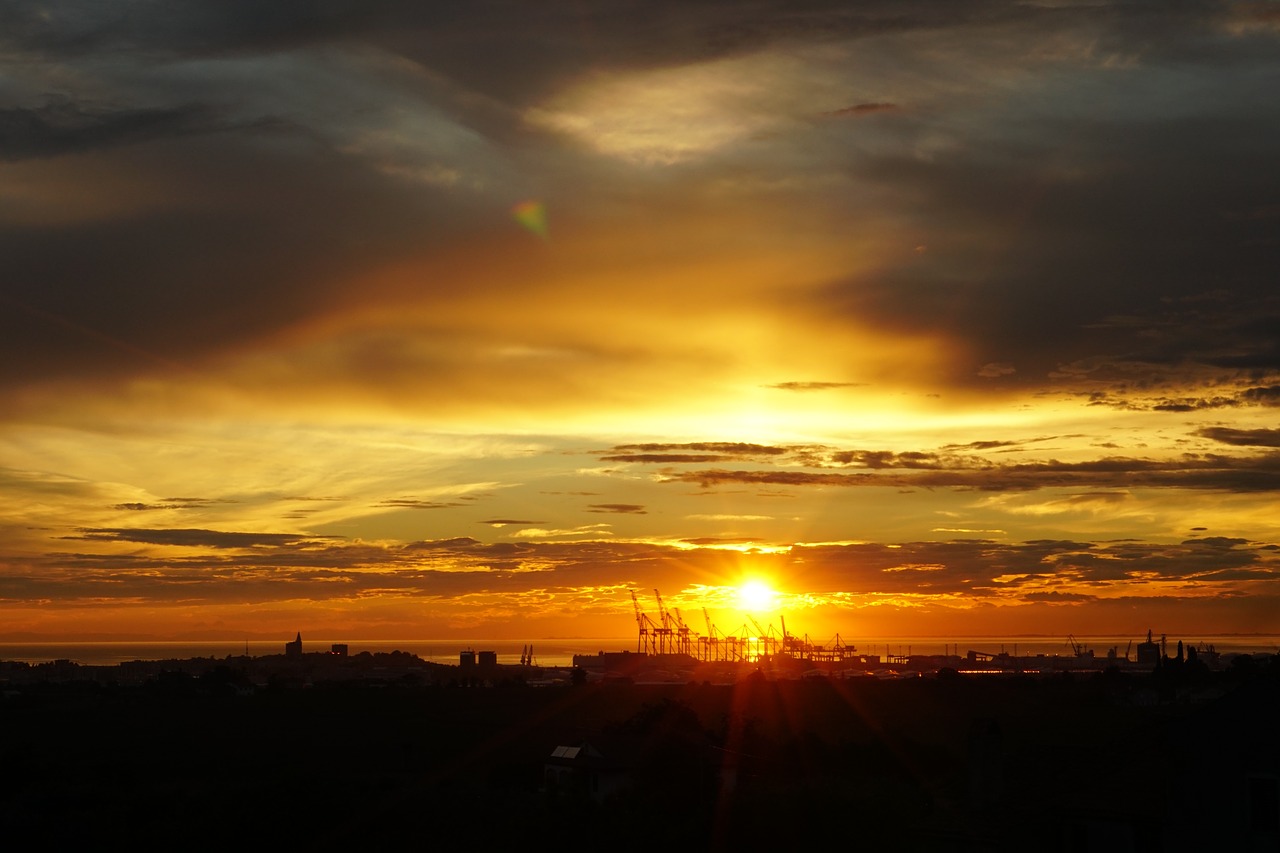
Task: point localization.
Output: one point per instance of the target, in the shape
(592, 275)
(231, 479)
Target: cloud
(731, 448)
(195, 537)
(624, 509)
(355, 100)
(169, 503)
(995, 369)
(1207, 472)
(1192, 404)
(448, 573)
(887, 459)
(672, 115)
(1217, 542)
(1060, 597)
(584, 530)
(1242, 437)
(859, 110)
(60, 127)
(674, 454)
(250, 234)
(1087, 502)
(1265, 396)
(814, 386)
(982, 445)
(971, 531)
(668, 458)
(464, 543)
(414, 503)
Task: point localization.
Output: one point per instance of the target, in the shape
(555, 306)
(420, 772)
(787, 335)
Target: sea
(560, 651)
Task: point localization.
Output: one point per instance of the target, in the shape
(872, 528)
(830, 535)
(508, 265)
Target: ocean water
(560, 652)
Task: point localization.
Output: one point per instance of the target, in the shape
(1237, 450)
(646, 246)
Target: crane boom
(642, 637)
(662, 610)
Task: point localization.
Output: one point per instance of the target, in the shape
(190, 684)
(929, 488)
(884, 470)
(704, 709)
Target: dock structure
(669, 639)
(751, 643)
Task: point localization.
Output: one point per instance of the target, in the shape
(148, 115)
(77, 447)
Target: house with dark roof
(584, 772)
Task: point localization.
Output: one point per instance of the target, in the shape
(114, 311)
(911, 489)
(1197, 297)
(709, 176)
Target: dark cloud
(194, 537)
(194, 27)
(155, 290)
(502, 521)
(625, 509)
(1059, 597)
(465, 542)
(1098, 497)
(1265, 396)
(271, 568)
(66, 127)
(569, 38)
(1089, 271)
(981, 445)
(711, 451)
(1098, 230)
(991, 568)
(888, 459)
(713, 541)
(1243, 437)
(169, 503)
(669, 458)
(732, 448)
(857, 110)
(414, 503)
(1209, 472)
(1194, 404)
(715, 477)
(1217, 542)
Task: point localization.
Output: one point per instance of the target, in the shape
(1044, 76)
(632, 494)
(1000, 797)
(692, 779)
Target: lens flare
(533, 216)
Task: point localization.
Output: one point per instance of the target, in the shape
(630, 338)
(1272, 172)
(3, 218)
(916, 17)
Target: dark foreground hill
(1064, 764)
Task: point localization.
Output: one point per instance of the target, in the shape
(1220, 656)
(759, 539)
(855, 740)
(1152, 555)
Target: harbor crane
(683, 641)
(767, 643)
(642, 641)
(665, 643)
(1077, 648)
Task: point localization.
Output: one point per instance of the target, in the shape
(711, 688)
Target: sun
(756, 595)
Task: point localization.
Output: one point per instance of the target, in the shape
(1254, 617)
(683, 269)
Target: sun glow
(756, 595)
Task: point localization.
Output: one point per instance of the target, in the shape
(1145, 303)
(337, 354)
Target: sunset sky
(423, 320)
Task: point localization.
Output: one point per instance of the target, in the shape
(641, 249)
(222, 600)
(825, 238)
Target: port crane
(642, 641)
(766, 643)
(665, 640)
(1077, 648)
(683, 634)
(671, 634)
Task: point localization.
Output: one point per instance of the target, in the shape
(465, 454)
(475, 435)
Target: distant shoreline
(560, 652)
